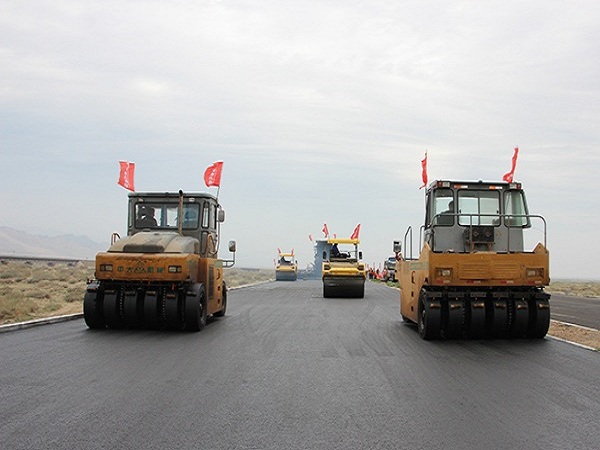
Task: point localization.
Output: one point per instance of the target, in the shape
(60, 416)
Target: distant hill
(18, 243)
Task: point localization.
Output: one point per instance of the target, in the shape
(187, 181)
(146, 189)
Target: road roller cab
(475, 275)
(286, 268)
(343, 271)
(165, 273)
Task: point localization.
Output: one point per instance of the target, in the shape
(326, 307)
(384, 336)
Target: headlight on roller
(531, 273)
(445, 273)
(106, 267)
(174, 269)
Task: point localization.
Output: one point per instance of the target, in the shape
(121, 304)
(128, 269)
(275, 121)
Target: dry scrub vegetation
(37, 289)
(577, 288)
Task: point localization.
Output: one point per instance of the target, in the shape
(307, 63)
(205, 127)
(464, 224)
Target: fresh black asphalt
(287, 369)
(578, 310)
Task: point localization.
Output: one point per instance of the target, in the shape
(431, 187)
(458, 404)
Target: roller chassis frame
(482, 313)
(170, 306)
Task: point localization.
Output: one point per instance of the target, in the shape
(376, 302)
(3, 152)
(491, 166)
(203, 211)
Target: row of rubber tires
(526, 316)
(151, 308)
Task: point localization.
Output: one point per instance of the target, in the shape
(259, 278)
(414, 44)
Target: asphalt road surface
(287, 369)
(578, 310)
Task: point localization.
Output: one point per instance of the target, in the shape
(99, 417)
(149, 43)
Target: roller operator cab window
(205, 215)
(515, 208)
(164, 215)
(190, 215)
(478, 207)
(442, 207)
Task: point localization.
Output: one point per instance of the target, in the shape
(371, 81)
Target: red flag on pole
(278, 250)
(126, 175)
(310, 237)
(212, 174)
(355, 232)
(508, 177)
(424, 174)
(325, 230)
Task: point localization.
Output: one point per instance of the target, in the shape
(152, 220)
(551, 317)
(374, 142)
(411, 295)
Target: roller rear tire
(195, 309)
(92, 310)
(429, 318)
(223, 310)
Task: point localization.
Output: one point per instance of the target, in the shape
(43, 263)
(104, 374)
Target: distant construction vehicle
(165, 273)
(343, 273)
(389, 267)
(286, 268)
(473, 277)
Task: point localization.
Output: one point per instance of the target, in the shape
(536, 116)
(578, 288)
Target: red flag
(355, 232)
(292, 251)
(424, 174)
(278, 250)
(212, 174)
(508, 177)
(325, 230)
(126, 175)
(310, 237)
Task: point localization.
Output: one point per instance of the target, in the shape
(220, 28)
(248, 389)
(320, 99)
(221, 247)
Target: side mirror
(221, 216)
(359, 255)
(324, 254)
(232, 246)
(397, 247)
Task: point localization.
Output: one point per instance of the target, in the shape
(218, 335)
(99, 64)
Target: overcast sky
(320, 110)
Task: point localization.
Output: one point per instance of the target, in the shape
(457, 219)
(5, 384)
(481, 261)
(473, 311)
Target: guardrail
(42, 259)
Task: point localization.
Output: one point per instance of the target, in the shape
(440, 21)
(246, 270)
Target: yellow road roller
(343, 271)
(482, 267)
(165, 274)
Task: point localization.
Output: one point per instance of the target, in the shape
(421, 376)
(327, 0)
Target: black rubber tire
(541, 319)
(173, 319)
(428, 319)
(453, 326)
(195, 308)
(151, 309)
(476, 321)
(111, 309)
(326, 291)
(130, 309)
(499, 318)
(92, 310)
(520, 318)
(223, 310)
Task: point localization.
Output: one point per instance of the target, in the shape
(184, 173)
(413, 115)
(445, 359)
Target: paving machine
(474, 277)
(165, 274)
(343, 273)
(286, 268)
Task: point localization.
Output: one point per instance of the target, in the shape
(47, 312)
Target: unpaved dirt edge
(586, 337)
